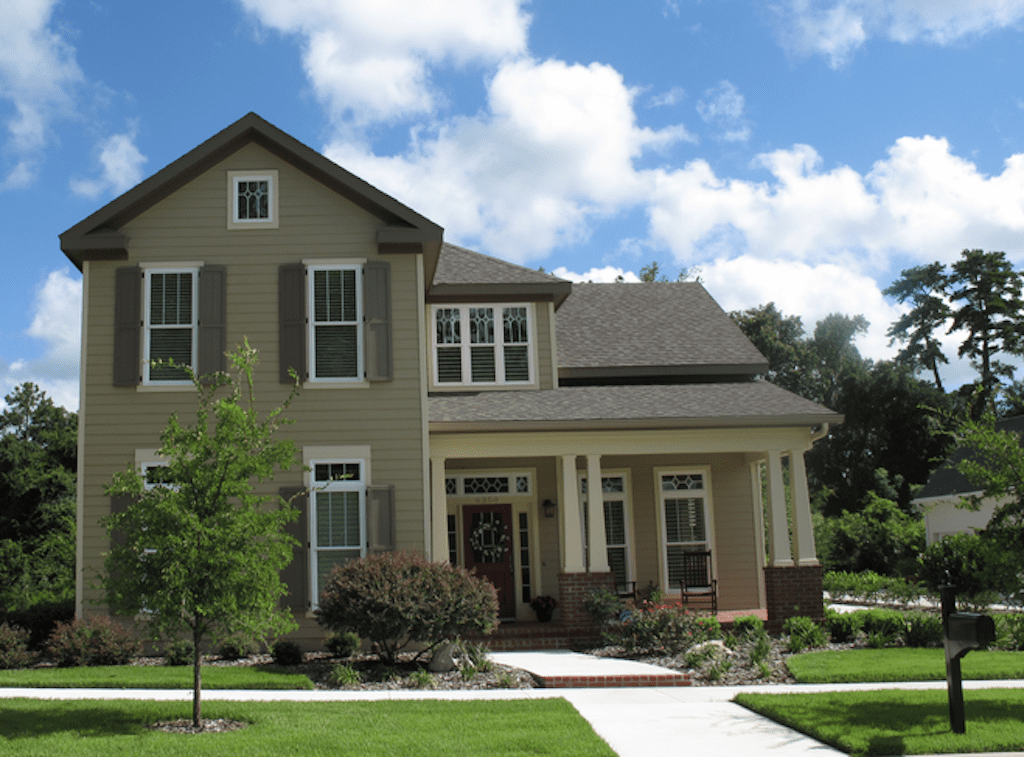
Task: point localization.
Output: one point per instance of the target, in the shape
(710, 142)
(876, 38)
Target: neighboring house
(452, 403)
(945, 490)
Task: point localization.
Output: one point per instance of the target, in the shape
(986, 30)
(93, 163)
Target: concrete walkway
(635, 722)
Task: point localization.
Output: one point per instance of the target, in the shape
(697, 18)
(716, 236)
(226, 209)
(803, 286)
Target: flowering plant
(543, 603)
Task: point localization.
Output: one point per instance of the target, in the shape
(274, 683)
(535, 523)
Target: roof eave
(760, 422)
(660, 371)
(555, 291)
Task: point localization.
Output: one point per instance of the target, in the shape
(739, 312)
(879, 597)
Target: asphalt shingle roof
(741, 403)
(602, 326)
(457, 265)
(947, 481)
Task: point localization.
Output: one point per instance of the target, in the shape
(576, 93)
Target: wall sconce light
(549, 508)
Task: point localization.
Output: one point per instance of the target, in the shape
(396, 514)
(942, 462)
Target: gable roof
(948, 481)
(98, 237)
(465, 276)
(650, 329)
(720, 405)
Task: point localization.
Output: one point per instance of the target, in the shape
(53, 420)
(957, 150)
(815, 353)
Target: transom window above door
(471, 485)
(482, 344)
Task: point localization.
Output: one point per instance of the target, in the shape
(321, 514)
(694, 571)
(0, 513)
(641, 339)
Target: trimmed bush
(40, 619)
(843, 626)
(1010, 630)
(97, 640)
(14, 651)
(803, 633)
(343, 644)
(179, 653)
(662, 628)
(923, 629)
(286, 652)
(235, 648)
(396, 598)
(748, 625)
(888, 623)
(604, 606)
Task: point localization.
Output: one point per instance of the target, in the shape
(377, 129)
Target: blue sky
(798, 151)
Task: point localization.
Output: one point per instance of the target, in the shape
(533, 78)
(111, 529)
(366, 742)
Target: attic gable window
(482, 344)
(252, 199)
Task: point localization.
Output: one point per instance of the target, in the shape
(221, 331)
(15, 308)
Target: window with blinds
(684, 507)
(482, 344)
(338, 516)
(171, 314)
(335, 317)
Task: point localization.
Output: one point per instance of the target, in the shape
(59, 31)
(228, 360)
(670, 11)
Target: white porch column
(596, 537)
(778, 531)
(803, 528)
(438, 511)
(572, 538)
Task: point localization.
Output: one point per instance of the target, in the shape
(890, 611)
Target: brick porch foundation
(573, 591)
(793, 591)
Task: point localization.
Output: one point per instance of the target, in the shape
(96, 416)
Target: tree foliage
(38, 461)
(880, 538)
(200, 553)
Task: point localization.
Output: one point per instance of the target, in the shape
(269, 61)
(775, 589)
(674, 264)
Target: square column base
(793, 591)
(573, 591)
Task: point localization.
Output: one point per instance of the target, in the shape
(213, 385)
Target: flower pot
(544, 615)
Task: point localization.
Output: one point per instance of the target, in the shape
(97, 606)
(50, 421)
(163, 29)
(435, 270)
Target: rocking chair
(696, 583)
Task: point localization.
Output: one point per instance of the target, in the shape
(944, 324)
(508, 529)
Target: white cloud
(56, 322)
(372, 60)
(722, 107)
(554, 151)
(607, 275)
(120, 164)
(39, 72)
(673, 97)
(836, 29)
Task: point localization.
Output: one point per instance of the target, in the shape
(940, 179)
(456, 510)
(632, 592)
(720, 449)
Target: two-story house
(452, 403)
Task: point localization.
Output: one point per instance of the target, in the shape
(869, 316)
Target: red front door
(487, 540)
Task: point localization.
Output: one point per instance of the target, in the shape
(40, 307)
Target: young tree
(199, 551)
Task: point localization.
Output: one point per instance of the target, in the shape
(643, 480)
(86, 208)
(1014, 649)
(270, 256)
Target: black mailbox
(971, 630)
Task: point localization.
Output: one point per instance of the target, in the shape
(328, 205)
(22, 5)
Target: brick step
(611, 682)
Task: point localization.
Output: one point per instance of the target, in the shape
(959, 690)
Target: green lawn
(901, 664)
(155, 677)
(396, 729)
(899, 722)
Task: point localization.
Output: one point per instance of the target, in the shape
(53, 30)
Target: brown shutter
(381, 531)
(118, 504)
(127, 326)
(296, 574)
(291, 313)
(213, 337)
(377, 314)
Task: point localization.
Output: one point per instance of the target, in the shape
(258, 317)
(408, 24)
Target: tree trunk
(197, 681)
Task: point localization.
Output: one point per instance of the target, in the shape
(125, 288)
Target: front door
(487, 531)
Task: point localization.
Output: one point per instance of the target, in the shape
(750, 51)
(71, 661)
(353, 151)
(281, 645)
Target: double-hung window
(482, 344)
(614, 495)
(338, 521)
(335, 322)
(684, 504)
(171, 319)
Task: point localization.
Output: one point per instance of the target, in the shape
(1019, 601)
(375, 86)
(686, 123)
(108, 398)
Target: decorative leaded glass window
(496, 352)
(252, 199)
(335, 318)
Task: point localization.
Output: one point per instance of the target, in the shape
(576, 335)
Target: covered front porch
(516, 506)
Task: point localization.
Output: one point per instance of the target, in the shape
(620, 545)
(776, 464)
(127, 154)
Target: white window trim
(360, 377)
(627, 496)
(147, 286)
(499, 344)
(333, 454)
(269, 175)
(709, 510)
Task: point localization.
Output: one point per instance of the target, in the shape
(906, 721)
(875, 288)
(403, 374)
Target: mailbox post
(962, 632)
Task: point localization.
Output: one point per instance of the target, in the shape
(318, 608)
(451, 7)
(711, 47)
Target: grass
(901, 664)
(899, 722)
(396, 729)
(155, 677)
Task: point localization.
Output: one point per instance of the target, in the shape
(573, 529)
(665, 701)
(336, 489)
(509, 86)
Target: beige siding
(314, 223)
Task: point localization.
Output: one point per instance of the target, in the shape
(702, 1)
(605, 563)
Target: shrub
(286, 652)
(345, 675)
(343, 644)
(97, 640)
(1010, 630)
(761, 649)
(748, 625)
(14, 652)
(890, 624)
(868, 586)
(604, 605)
(976, 567)
(663, 628)
(843, 626)
(421, 679)
(803, 633)
(400, 597)
(40, 619)
(235, 648)
(923, 629)
(180, 652)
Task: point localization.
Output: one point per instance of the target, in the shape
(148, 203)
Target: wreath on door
(489, 541)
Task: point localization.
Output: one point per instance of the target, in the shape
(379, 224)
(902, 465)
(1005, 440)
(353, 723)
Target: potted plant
(544, 606)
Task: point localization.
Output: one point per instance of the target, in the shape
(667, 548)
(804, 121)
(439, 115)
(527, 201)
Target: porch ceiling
(683, 406)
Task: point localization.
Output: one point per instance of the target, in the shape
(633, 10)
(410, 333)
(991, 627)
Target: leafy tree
(781, 339)
(652, 273)
(38, 461)
(201, 552)
(881, 537)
